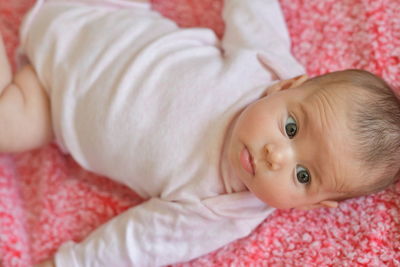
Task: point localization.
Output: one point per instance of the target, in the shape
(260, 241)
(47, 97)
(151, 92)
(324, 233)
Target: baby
(214, 133)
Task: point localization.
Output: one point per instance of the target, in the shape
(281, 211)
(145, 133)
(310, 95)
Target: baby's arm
(24, 109)
(256, 24)
(259, 26)
(155, 233)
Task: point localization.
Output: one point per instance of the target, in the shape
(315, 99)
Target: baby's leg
(24, 109)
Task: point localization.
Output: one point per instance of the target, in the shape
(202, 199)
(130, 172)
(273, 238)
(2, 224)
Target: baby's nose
(277, 156)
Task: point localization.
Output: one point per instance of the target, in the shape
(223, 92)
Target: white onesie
(146, 103)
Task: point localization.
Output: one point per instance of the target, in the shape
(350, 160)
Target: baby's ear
(322, 204)
(286, 84)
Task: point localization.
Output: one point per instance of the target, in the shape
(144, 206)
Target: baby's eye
(302, 175)
(290, 127)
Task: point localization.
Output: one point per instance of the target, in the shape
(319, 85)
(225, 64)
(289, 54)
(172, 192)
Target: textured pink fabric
(46, 199)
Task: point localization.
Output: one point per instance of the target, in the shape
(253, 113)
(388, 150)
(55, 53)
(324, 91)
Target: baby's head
(314, 142)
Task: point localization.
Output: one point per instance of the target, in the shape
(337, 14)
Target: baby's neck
(232, 183)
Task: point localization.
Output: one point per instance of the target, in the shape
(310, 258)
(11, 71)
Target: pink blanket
(46, 199)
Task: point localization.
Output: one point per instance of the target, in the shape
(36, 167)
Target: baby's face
(291, 148)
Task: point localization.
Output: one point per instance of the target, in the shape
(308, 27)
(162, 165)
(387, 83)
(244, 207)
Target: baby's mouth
(246, 160)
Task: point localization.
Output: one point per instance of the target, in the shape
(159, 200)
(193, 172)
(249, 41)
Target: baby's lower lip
(246, 161)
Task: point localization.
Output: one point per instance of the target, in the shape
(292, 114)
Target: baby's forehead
(339, 99)
(334, 86)
(337, 88)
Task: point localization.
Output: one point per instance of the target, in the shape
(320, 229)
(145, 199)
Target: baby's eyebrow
(304, 118)
(305, 124)
(316, 174)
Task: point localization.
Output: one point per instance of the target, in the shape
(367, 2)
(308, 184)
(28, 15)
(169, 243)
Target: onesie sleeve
(155, 233)
(259, 25)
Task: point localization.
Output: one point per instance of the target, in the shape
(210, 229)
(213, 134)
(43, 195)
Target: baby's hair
(375, 123)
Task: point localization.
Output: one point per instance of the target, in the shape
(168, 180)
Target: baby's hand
(48, 263)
